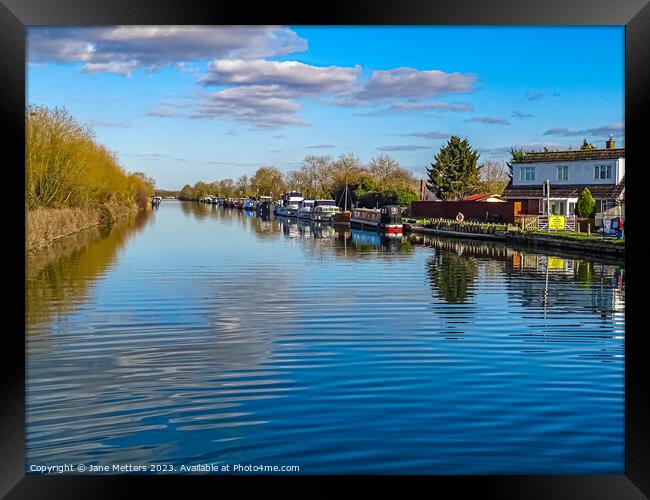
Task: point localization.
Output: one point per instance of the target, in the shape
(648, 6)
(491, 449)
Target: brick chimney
(610, 143)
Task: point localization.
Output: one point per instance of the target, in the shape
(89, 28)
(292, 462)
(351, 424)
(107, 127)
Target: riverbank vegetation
(381, 181)
(73, 182)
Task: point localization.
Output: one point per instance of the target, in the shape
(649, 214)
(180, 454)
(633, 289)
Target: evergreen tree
(586, 206)
(454, 172)
(516, 155)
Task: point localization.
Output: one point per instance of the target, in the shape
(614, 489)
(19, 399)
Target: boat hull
(377, 226)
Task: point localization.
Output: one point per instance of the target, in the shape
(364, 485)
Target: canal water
(199, 335)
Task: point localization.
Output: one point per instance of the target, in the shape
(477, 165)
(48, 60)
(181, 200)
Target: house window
(563, 173)
(527, 173)
(603, 172)
(572, 208)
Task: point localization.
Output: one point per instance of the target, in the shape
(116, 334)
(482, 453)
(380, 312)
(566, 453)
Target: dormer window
(563, 173)
(603, 172)
(527, 173)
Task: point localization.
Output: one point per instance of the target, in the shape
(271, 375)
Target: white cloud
(404, 82)
(265, 106)
(489, 120)
(121, 68)
(405, 147)
(433, 134)
(616, 128)
(292, 76)
(105, 48)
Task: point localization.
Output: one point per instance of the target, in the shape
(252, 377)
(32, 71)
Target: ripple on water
(208, 337)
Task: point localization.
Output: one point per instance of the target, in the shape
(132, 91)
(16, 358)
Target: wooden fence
(540, 223)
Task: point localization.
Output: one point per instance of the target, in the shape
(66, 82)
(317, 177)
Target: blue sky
(184, 104)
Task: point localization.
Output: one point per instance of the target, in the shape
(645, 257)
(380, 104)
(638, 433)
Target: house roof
(479, 197)
(587, 154)
(598, 191)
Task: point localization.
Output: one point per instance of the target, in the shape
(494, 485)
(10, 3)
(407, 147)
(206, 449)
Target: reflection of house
(568, 282)
(602, 171)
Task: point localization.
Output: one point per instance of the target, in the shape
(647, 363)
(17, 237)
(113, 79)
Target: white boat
(324, 211)
(290, 204)
(305, 207)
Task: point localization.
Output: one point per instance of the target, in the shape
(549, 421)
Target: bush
(586, 206)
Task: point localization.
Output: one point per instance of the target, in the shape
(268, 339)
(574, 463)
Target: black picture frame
(15, 15)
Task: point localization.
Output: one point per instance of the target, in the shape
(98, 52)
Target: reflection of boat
(385, 242)
(324, 211)
(304, 228)
(305, 207)
(320, 230)
(385, 219)
(344, 216)
(290, 227)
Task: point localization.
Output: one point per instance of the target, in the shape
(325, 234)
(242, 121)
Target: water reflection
(218, 336)
(61, 276)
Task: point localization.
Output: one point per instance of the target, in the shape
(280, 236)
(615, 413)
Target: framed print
(367, 246)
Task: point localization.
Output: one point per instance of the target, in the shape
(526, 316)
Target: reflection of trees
(59, 278)
(584, 272)
(451, 276)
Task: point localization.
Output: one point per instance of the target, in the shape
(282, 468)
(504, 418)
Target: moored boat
(305, 207)
(386, 219)
(249, 204)
(290, 203)
(324, 211)
(343, 217)
(265, 205)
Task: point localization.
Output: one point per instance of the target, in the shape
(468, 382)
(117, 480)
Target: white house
(602, 171)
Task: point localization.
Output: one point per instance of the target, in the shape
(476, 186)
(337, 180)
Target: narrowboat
(387, 219)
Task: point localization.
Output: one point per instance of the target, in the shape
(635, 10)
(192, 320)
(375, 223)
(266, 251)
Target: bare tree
(388, 172)
(494, 176)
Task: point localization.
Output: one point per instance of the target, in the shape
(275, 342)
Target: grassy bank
(577, 236)
(46, 225)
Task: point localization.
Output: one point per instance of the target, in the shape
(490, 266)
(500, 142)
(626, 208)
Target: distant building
(602, 171)
(489, 198)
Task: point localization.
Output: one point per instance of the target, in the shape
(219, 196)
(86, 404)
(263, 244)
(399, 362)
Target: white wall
(580, 172)
(620, 170)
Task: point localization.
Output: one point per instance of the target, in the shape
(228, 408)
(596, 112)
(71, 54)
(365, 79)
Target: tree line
(380, 182)
(66, 167)
(454, 174)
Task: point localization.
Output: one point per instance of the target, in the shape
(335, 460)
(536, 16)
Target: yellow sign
(555, 263)
(556, 222)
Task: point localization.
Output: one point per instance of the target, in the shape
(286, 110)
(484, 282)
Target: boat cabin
(391, 214)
